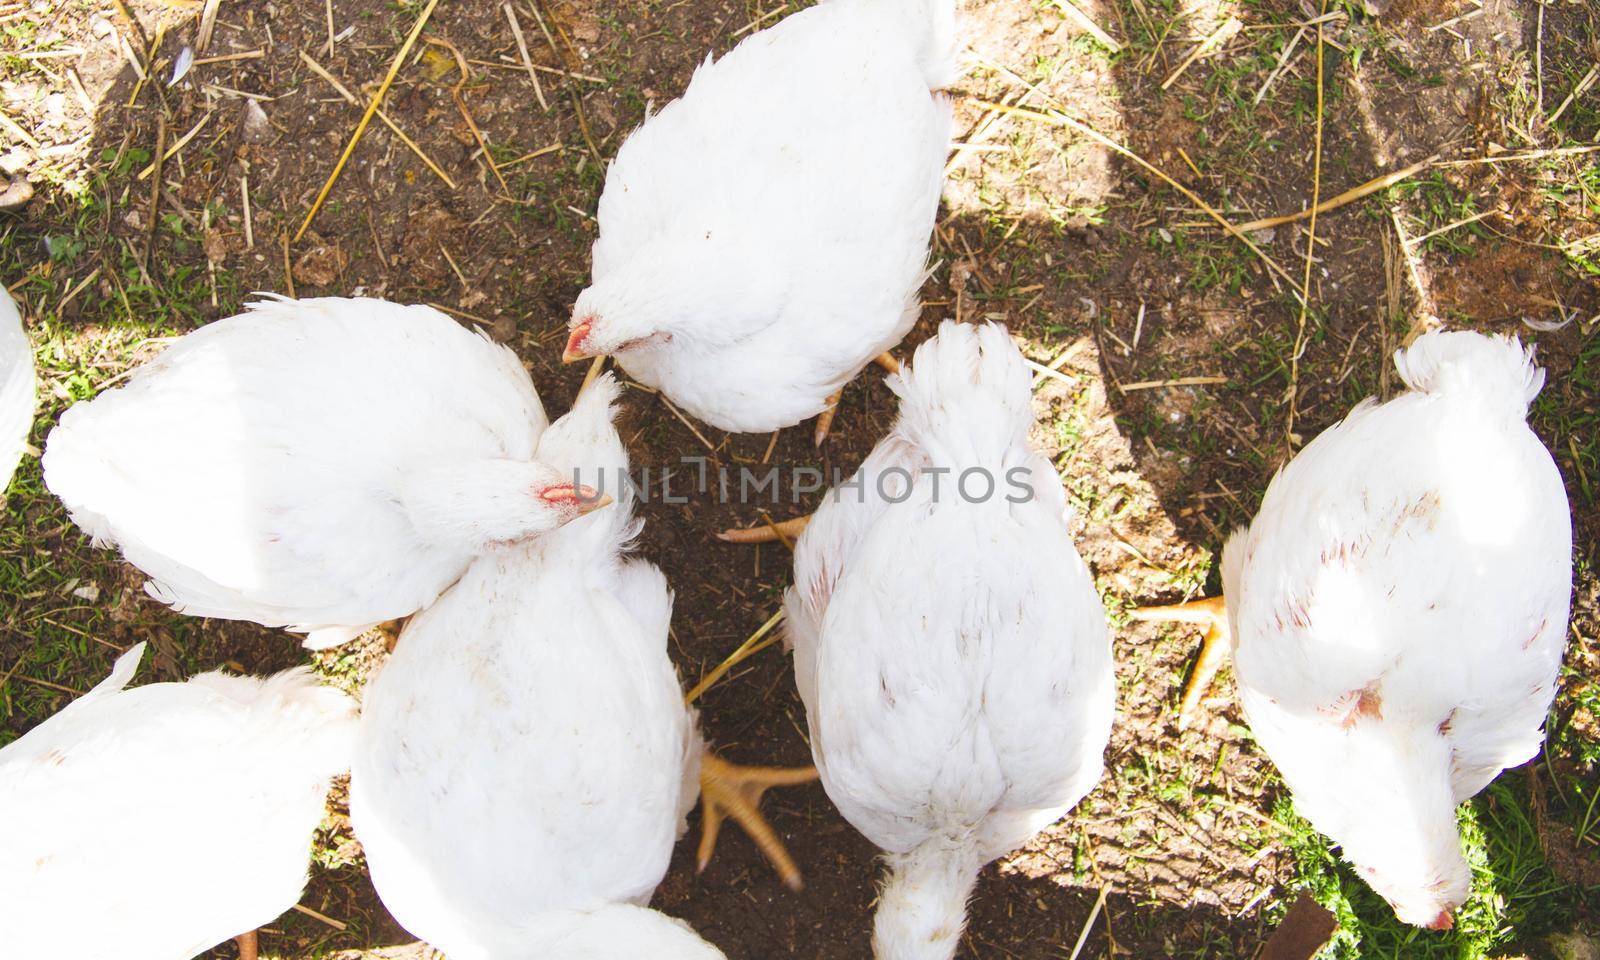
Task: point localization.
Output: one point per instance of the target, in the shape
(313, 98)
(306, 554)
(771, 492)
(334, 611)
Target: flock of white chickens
(524, 762)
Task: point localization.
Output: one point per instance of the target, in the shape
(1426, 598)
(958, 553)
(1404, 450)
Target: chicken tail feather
(1496, 371)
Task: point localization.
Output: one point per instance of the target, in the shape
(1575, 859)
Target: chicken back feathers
(179, 815)
(526, 760)
(949, 646)
(764, 237)
(1399, 610)
(276, 466)
(18, 395)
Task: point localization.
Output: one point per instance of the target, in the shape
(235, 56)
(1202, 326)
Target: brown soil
(1073, 248)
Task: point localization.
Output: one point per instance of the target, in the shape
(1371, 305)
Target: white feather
(526, 754)
(17, 389)
(952, 655)
(764, 237)
(319, 464)
(1399, 609)
(153, 823)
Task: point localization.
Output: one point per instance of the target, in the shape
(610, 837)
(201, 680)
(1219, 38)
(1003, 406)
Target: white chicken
(324, 465)
(526, 759)
(154, 823)
(1397, 613)
(763, 238)
(949, 645)
(17, 389)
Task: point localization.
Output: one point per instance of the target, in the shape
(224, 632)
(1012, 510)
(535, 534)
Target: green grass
(1571, 425)
(56, 591)
(1517, 896)
(1515, 899)
(1437, 203)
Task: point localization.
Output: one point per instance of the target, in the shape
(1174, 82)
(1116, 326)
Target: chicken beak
(592, 501)
(575, 350)
(586, 498)
(1442, 922)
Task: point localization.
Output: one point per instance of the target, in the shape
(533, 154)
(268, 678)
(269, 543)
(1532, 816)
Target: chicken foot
(1212, 612)
(247, 945)
(729, 790)
(788, 531)
(885, 360)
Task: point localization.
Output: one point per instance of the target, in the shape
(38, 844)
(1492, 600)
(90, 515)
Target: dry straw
(1311, 248)
(366, 118)
(752, 646)
(1059, 119)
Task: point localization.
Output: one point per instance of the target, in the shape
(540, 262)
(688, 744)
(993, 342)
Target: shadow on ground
(1081, 254)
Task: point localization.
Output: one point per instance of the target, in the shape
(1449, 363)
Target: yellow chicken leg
(885, 360)
(1213, 613)
(247, 945)
(787, 531)
(729, 790)
(825, 418)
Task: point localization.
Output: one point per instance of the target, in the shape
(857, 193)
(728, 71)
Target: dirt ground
(1176, 399)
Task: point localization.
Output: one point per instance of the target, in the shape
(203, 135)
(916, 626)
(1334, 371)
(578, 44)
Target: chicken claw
(727, 789)
(825, 418)
(1213, 613)
(787, 531)
(886, 360)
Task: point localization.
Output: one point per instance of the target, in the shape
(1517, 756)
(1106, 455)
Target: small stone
(16, 194)
(604, 113)
(253, 125)
(15, 161)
